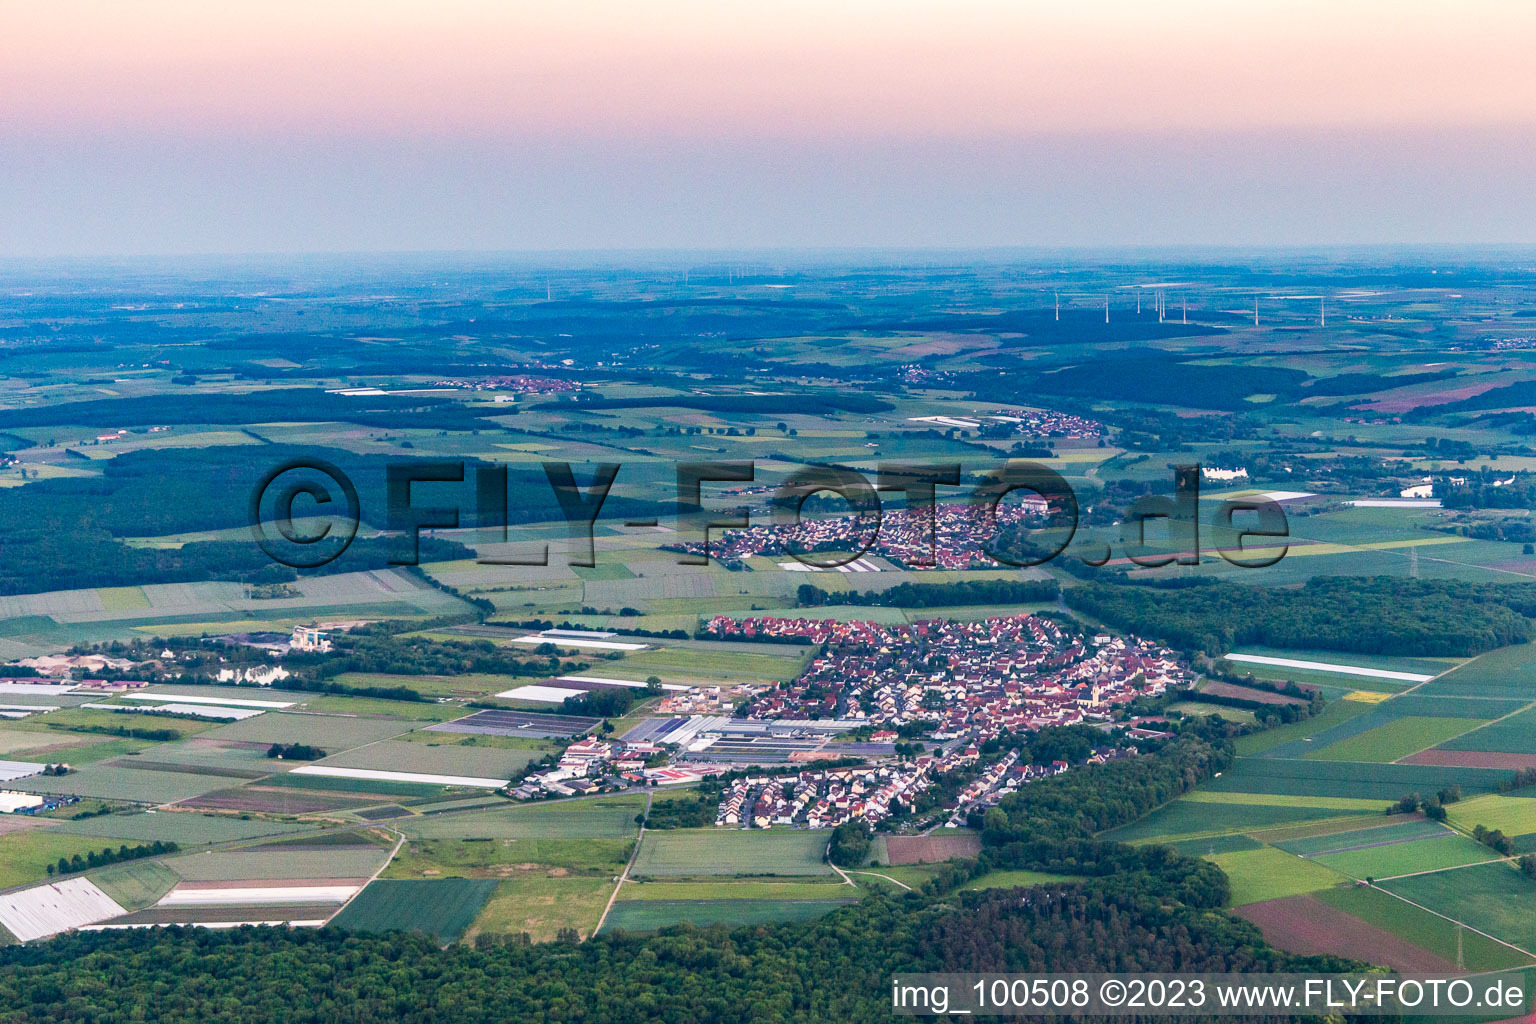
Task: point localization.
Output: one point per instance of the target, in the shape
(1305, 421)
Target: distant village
(949, 536)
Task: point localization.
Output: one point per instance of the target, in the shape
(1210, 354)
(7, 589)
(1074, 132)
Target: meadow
(705, 852)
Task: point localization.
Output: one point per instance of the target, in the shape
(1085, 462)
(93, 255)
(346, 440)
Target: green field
(1436, 934)
(1506, 672)
(611, 817)
(1269, 874)
(1513, 735)
(184, 828)
(1202, 817)
(442, 908)
(703, 852)
(1383, 831)
(448, 759)
(137, 884)
(328, 732)
(1429, 854)
(25, 855)
(1334, 713)
(499, 858)
(1354, 779)
(649, 915)
(1512, 815)
(118, 783)
(1494, 898)
(1396, 739)
(274, 862)
(1210, 846)
(541, 906)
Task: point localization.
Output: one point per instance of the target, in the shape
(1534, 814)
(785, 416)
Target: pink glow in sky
(825, 68)
(231, 125)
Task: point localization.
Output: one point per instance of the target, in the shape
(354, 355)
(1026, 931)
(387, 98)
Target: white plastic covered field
(49, 909)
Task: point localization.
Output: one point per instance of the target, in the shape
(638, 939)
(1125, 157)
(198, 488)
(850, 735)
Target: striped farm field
(1396, 739)
(137, 884)
(1377, 834)
(1334, 713)
(272, 862)
(1430, 853)
(1506, 672)
(602, 818)
(443, 908)
(1435, 934)
(1273, 800)
(1352, 779)
(1207, 817)
(185, 828)
(1513, 735)
(705, 852)
(1495, 898)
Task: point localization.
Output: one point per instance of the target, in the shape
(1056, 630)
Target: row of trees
(107, 855)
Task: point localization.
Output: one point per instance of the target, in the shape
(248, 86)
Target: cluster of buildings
(949, 536)
(963, 680)
(1048, 423)
(595, 765)
(517, 383)
(826, 798)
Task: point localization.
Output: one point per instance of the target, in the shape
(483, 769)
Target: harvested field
(1307, 925)
(930, 849)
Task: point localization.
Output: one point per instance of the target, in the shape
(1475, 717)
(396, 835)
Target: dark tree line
(936, 595)
(1380, 615)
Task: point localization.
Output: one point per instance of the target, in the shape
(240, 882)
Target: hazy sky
(232, 126)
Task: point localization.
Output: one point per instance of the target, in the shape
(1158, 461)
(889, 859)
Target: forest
(1379, 615)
